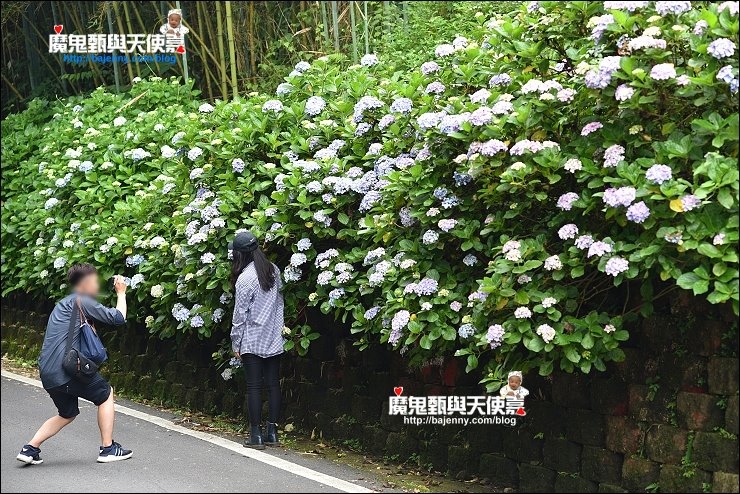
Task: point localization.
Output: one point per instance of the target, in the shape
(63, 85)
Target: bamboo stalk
(164, 6)
(130, 27)
(221, 50)
(184, 55)
(27, 43)
(405, 15)
(335, 24)
(119, 21)
(325, 22)
(232, 54)
(145, 30)
(12, 87)
(353, 29)
(79, 26)
(366, 28)
(55, 15)
(42, 55)
(116, 69)
(252, 49)
(208, 18)
(206, 71)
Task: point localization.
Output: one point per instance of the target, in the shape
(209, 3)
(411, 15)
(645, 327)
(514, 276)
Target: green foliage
(408, 39)
(438, 230)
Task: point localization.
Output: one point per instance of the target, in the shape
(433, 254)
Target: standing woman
(256, 333)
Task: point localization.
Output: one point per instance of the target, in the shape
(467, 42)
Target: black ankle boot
(271, 438)
(255, 438)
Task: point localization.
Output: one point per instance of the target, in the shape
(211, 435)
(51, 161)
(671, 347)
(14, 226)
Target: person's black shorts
(65, 396)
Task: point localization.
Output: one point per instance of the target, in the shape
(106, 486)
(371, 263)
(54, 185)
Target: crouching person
(64, 389)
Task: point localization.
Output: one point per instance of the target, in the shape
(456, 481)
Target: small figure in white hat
(174, 26)
(514, 388)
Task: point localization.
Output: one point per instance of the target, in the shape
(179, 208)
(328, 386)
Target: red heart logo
(520, 411)
(180, 49)
(58, 28)
(398, 390)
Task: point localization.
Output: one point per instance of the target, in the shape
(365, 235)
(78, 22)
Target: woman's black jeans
(260, 370)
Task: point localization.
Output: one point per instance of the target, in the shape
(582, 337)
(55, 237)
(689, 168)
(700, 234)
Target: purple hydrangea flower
(591, 127)
(663, 72)
(598, 249)
(721, 48)
(272, 105)
(429, 119)
(371, 313)
(689, 202)
(237, 165)
(623, 92)
(481, 116)
(430, 68)
(565, 201)
(613, 155)
(400, 320)
(490, 148)
(700, 27)
(500, 80)
(426, 286)
(444, 50)
(481, 96)
(567, 94)
(622, 196)
(638, 212)
(584, 242)
(659, 174)
(568, 231)
(430, 237)
(284, 89)
(302, 66)
(732, 7)
(599, 26)
(435, 87)
(386, 121)
(522, 313)
(672, 7)
(446, 224)
(725, 74)
(495, 335)
(628, 6)
(401, 105)
(616, 265)
(369, 60)
(596, 80)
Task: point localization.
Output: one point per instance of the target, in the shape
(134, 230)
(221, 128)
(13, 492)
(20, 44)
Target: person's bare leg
(49, 429)
(106, 417)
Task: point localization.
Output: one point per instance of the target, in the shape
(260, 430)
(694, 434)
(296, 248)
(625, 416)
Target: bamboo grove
(234, 47)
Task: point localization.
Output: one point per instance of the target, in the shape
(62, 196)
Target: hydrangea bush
(480, 205)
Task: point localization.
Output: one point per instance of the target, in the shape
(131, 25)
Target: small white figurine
(514, 388)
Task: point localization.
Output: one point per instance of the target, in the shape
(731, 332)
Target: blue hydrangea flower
(401, 105)
(315, 105)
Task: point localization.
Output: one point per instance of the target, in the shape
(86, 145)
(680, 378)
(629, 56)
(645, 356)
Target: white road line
(237, 448)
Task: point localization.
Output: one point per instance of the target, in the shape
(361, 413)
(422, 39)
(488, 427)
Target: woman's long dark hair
(263, 266)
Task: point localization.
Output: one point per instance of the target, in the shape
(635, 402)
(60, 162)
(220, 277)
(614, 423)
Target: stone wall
(666, 418)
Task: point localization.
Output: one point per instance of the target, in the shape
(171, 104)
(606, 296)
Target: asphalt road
(164, 460)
